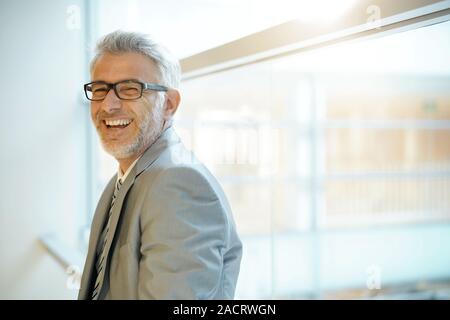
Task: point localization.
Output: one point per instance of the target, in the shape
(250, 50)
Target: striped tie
(101, 259)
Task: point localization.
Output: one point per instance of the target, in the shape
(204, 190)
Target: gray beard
(149, 130)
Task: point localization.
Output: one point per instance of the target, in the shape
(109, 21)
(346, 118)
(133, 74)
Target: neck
(126, 163)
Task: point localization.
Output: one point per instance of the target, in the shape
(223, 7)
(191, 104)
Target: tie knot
(118, 185)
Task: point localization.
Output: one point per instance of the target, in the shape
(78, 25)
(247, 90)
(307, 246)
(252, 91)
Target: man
(163, 228)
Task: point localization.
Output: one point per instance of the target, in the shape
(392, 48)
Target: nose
(111, 103)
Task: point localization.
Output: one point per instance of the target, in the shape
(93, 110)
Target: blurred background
(326, 122)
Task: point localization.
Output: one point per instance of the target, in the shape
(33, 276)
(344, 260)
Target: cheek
(141, 110)
(94, 112)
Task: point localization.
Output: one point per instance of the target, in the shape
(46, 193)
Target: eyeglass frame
(144, 86)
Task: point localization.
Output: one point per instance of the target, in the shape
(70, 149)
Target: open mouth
(117, 124)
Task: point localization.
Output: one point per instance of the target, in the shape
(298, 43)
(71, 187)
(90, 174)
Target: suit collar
(167, 138)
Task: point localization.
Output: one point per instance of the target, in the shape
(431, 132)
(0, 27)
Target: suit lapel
(115, 215)
(96, 228)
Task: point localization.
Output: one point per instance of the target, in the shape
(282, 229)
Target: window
(323, 152)
(336, 161)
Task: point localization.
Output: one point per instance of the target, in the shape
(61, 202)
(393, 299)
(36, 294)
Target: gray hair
(119, 42)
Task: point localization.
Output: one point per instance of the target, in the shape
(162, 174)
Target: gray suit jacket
(172, 231)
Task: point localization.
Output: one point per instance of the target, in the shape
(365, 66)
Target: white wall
(43, 141)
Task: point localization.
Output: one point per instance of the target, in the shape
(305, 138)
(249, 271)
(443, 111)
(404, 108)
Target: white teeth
(119, 122)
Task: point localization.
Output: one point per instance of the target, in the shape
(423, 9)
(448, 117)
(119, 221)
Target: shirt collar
(122, 176)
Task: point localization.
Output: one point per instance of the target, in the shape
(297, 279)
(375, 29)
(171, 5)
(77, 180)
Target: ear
(172, 102)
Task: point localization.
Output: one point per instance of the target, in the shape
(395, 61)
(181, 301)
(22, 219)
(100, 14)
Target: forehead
(116, 67)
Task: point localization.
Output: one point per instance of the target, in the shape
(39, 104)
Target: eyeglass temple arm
(153, 86)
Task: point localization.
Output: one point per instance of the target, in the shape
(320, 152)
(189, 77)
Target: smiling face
(127, 127)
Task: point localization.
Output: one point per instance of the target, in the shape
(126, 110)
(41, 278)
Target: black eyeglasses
(125, 90)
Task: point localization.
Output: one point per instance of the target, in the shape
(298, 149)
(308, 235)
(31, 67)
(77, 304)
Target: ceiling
(191, 26)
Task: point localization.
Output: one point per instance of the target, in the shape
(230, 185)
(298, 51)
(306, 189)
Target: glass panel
(336, 163)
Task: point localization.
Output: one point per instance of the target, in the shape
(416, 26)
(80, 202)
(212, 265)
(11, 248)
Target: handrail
(67, 257)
